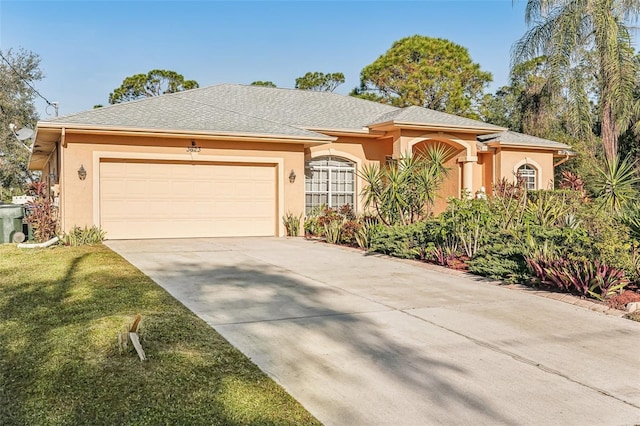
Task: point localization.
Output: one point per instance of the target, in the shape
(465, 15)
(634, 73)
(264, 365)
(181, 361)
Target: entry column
(467, 173)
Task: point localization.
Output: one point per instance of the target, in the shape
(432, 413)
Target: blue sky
(88, 47)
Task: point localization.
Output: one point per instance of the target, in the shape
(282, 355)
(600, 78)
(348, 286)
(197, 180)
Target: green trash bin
(11, 227)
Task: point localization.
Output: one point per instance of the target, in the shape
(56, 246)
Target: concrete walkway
(366, 340)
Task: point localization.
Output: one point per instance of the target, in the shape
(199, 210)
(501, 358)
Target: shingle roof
(181, 112)
(255, 109)
(301, 108)
(520, 139)
(419, 115)
(240, 109)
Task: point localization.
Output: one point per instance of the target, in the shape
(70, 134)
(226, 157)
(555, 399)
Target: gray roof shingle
(301, 108)
(182, 113)
(520, 139)
(419, 115)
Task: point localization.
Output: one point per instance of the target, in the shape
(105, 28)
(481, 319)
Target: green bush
(292, 224)
(500, 233)
(502, 258)
(403, 241)
(83, 236)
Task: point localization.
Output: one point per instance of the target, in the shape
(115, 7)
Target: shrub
(443, 255)
(292, 224)
(42, 214)
(319, 218)
(404, 191)
(350, 229)
(501, 258)
(585, 278)
(333, 231)
(404, 241)
(369, 228)
(466, 220)
(83, 236)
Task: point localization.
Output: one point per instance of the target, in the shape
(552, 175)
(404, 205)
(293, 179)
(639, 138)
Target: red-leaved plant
(42, 214)
(443, 256)
(585, 278)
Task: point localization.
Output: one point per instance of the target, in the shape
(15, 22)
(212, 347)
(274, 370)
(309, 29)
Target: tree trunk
(609, 132)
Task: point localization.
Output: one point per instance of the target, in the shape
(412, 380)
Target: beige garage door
(180, 200)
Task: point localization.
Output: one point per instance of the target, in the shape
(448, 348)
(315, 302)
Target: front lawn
(60, 312)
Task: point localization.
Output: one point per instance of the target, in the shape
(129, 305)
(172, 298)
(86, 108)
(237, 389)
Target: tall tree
(154, 83)
(319, 81)
(19, 70)
(527, 105)
(264, 83)
(429, 72)
(594, 32)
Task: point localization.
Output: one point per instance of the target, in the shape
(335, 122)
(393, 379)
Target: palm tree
(567, 32)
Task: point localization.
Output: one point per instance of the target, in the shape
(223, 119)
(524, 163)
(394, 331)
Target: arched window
(329, 181)
(528, 175)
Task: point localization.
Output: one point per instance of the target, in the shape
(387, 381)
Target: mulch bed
(619, 301)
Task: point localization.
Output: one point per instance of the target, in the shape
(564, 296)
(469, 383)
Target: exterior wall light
(82, 173)
(292, 176)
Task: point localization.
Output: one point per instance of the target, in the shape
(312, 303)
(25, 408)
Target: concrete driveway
(365, 340)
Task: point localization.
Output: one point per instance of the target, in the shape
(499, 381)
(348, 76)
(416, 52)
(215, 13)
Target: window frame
(530, 178)
(346, 166)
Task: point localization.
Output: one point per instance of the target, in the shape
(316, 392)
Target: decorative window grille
(528, 176)
(329, 181)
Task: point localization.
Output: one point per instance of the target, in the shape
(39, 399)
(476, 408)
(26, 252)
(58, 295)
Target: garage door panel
(159, 200)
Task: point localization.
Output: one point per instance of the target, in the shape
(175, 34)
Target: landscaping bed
(566, 241)
(60, 363)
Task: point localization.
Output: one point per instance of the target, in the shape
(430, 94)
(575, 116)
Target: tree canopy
(590, 36)
(320, 82)
(535, 104)
(266, 83)
(18, 69)
(430, 72)
(154, 83)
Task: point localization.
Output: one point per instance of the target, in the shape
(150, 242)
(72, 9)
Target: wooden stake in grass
(131, 335)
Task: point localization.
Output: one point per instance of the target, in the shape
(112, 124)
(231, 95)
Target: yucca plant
(292, 224)
(546, 209)
(404, 191)
(333, 231)
(617, 183)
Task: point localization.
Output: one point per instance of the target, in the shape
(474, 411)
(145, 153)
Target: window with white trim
(329, 181)
(528, 175)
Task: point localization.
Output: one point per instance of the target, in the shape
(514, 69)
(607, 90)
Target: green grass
(60, 312)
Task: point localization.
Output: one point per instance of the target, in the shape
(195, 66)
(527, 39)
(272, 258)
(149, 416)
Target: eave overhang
(559, 151)
(48, 134)
(363, 133)
(477, 130)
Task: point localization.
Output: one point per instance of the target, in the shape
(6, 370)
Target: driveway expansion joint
(301, 317)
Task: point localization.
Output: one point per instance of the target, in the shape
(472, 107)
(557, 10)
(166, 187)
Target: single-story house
(231, 160)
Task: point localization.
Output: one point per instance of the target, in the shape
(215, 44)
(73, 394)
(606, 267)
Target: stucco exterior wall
(508, 160)
(486, 163)
(78, 200)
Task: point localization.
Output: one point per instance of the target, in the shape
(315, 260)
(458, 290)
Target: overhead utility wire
(26, 81)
